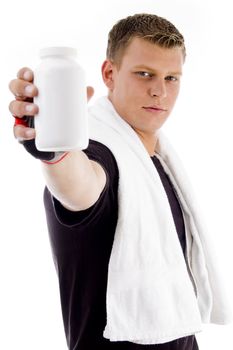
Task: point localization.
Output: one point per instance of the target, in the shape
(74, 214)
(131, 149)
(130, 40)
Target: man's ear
(108, 74)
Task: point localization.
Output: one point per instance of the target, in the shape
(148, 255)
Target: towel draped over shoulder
(154, 295)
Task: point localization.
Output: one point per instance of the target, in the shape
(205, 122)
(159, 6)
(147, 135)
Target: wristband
(20, 121)
(58, 156)
(30, 146)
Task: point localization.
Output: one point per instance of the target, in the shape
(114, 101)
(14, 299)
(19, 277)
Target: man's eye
(171, 78)
(144, 74)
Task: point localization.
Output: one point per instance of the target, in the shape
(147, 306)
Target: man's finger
(19, 108)
(25, 74)
(90, 92)
(22, 89)
(23, 133)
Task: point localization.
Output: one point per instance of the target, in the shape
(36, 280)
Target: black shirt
(81, 244)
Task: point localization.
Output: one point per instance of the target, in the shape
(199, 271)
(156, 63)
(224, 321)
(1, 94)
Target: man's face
(144, 88)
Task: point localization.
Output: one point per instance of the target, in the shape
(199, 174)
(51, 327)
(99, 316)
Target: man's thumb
(90, 92)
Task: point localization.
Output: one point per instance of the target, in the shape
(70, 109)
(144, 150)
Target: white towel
(154, 295)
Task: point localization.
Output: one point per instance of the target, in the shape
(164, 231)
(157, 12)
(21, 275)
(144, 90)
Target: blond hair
(150, 27)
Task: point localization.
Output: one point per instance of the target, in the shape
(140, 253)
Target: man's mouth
(154, 108)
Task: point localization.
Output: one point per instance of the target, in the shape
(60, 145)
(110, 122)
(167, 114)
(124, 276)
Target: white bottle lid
(58, 51)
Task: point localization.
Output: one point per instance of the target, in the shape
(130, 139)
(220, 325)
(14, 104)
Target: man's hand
(24, 111)
(24, 91)
(76, 181)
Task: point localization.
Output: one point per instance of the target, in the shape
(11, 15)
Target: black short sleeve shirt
(81, 245)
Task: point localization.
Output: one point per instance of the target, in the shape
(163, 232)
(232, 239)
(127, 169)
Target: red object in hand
(20, 121)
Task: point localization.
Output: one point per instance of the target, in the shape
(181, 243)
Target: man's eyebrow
(147, 68)
(174, 73)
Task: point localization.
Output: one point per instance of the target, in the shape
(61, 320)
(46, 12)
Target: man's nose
(158, 88)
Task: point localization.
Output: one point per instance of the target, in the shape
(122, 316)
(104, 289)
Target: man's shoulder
(100, 153)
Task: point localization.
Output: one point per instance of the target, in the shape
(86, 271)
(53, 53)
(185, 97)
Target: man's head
(154, 29)
(142, 71)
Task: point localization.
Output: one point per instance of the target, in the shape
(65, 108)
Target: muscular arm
(76, 181)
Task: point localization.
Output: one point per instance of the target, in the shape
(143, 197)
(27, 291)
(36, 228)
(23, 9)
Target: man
(95, 199)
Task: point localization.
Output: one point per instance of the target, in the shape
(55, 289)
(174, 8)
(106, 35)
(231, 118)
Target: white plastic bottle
(62, 123)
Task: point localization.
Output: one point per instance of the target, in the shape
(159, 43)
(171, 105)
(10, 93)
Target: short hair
(150, 27)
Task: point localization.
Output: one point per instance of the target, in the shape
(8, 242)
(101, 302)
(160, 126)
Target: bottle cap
(58, 51)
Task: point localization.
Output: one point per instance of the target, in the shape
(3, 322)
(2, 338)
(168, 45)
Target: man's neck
(149, 141)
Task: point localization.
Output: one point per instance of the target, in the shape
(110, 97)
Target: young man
(127, 242)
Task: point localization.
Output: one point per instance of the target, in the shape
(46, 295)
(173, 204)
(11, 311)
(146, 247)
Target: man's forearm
(75, 181)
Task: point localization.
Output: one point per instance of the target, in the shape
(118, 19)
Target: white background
(200, 128)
